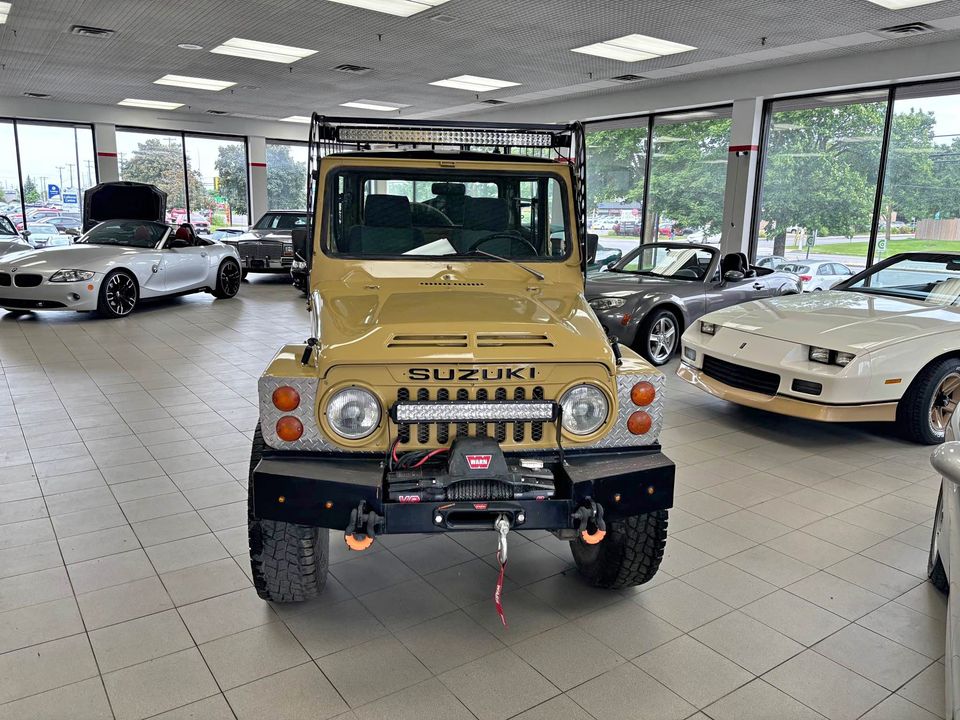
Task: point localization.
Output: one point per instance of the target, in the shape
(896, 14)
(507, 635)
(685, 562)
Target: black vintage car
(267, 247)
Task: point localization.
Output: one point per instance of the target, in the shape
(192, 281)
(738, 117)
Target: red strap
(498, 593)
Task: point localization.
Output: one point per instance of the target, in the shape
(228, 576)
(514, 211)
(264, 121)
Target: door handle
(203, 254)
(758, 286)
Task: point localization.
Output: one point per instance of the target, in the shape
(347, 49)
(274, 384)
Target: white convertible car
(127, 255)
(882, 346)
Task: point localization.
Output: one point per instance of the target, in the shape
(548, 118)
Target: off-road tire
(223, 290)
(935, 569)
(630, 554)
(913, 410)
(289, 561)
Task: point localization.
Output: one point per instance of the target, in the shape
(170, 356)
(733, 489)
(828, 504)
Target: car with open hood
(883, 346)
(654, 292)
(126, 254)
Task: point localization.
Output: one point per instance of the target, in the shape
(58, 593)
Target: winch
(475, 469)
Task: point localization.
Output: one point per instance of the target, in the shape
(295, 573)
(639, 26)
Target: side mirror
(301, 246)
(26, 233)
(176, 243)
(733, 276)
(592, 242)
(72, 231)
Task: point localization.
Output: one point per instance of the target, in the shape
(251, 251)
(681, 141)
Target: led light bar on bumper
(424, 136)
(474, 411)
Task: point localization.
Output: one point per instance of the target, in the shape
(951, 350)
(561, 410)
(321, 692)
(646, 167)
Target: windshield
(281, 221)
(376, 213)
(932, 278)
(6, 227)
(682, 263)
(126, 233)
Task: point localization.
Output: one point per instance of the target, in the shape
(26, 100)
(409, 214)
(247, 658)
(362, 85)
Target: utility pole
(60, 168)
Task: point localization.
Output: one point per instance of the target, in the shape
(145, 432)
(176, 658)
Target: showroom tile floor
(793, 584)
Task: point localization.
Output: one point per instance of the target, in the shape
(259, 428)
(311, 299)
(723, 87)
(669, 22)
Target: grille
(741, 377)
(515, 433)
(260, 250)
(4, 279)
(27, 280)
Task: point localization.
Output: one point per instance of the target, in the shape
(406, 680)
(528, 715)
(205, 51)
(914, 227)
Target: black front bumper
(322, 490)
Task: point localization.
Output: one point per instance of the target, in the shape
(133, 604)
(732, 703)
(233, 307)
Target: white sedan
(818, 275)
(944, 545)
(883, 346)
(115, 265)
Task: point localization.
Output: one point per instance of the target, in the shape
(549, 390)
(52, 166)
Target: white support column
(741, 175)
(257, 148)
(105, 138)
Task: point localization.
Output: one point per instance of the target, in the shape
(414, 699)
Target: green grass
(893, 247)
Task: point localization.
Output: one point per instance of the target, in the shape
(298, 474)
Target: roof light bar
(474, 411)
(271, 52)
(415, 136)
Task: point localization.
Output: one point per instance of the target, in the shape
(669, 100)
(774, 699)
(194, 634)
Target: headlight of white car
(830, 357)
(607, 303)
(72, 275)
(585, 409)
(708, 328)
(353, 413)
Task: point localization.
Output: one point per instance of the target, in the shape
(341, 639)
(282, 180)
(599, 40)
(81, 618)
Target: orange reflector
(89, 287)
(289, 428)
(639, 423)
(358, 543)
(643, 393)
(286, 399)
(625, 320)
(893, 381)
(592, 539)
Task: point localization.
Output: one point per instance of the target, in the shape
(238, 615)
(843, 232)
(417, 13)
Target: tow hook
(589, 521)
(362, 529)
(502, 526)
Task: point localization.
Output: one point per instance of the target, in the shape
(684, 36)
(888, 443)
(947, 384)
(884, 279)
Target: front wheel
(628, 555)
(659, 336)
(288, 561)
(925, 409)
(228, 280)
(118, 296)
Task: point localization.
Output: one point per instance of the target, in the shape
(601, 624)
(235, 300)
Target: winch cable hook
(361, 529)
(502, 526)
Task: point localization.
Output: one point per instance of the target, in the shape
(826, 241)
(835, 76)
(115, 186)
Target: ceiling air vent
(88, 31)
(42, 96)
(443, 18)
(491, 101)
(352, 69)
(628, 78)
(905, 30)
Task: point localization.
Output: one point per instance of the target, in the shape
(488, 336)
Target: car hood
(79, 257)
(255, 235)
(8, 245)
(616, 284)
(127, 200)
(839, 320)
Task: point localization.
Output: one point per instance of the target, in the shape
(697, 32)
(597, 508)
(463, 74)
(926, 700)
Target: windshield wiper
(535, 273)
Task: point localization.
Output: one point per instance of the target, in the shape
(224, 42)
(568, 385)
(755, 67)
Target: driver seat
(185, 233)
(734, 261)
(387, 229)
(483, 217)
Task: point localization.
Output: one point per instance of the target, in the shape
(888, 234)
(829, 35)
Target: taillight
(289, 428)
(639, 423)
(643, 393)
(806, 278)
(286, 399)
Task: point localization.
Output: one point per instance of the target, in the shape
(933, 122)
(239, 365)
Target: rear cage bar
(568, 143)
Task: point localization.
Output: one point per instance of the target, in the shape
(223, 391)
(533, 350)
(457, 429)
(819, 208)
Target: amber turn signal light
(289, 428)
(643, 393)
(286, 399)
(639, 423)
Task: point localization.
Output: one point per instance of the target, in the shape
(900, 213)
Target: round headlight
(585, 409)
(353, 413)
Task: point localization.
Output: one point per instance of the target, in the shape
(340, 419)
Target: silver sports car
(10, 239)
(655, 291)
(128, 255)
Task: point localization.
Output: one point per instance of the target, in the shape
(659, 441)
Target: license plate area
(477, 515)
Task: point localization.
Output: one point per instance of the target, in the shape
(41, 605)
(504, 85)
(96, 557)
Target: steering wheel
(508, 236)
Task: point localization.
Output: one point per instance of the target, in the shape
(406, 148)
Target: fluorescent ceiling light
(902, 4)
(154, 104)
(403, 8)
(370, 105)
(4, 11)
(194, 82)
(296, 119)
(633, 48)
(695, 115)
(474, 83)
(262, 51)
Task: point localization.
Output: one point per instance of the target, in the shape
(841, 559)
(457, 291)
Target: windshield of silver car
(667, 261)
(933, 278)
(6, 227)
(126, 233)
(281, 221)
(417, 214)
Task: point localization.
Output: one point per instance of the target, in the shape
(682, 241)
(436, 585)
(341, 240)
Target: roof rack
(330, 135)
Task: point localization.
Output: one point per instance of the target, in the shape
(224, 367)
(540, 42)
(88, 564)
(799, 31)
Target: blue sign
(70, 199)
(52, 190)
